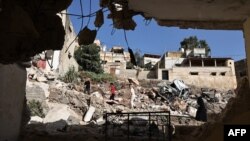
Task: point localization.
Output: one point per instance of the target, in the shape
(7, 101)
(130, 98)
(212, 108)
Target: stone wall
(212, 77)
(66, 59)
(142, 75)
(12, 93)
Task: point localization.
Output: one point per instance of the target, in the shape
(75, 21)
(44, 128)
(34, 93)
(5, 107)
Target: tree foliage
(101, 77)
(193, 42)
(88, 58)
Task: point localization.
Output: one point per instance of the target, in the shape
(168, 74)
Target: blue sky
(157, 39)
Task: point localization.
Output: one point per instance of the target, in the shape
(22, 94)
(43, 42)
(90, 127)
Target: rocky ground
(68, 111)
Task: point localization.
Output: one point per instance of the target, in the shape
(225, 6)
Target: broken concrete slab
(192, 111)
(41, 79)
(35, 92)
(218, 97)
(60, 112)
(35, 120)
(100, 121)
(89, 114)
(50, 77)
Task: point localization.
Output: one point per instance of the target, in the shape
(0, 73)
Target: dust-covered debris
(89, 110)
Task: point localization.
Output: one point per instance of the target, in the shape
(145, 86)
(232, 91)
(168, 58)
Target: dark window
(196, 63)
(221, 63)
(194, 73)
(165, 75)
(104, 62)
(117, 61)
(223, 73)
(213, 73)
(209, 63)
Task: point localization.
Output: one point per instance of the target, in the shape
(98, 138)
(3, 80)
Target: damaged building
(241, 68)
(202, 72)
(115, 60)
(149, 60)
(60, 60)
(41, 29)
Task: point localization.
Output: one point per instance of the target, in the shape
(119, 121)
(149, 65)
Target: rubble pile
(79, 108)
(40, 75)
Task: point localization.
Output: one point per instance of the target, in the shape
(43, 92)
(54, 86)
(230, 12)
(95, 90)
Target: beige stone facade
(202, 72)
(62, 60)
(115, 60)
(151, 58)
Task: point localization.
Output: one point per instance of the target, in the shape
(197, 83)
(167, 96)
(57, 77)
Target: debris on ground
(79, 108)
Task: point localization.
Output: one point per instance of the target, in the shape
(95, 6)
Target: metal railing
(152, 126)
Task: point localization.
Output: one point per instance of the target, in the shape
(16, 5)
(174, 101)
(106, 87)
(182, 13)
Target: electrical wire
(125, 37)
(84, 16)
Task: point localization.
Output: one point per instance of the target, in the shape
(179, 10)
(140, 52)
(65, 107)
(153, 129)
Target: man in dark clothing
(87, 87)
(201, 113)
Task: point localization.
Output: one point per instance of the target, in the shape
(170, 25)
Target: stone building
(241, 68)
(202, 72)
(25, 31)
(150, 59)
(115, 60)
(62, 60)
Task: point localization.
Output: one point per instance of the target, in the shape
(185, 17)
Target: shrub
(36, 108)
(101, 77)
(70, 76)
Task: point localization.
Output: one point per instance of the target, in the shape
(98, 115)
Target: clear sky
(157, 39)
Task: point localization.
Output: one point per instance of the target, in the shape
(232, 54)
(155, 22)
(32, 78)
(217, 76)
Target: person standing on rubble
(132, 91)
(201, 114)
(87, 86)
(112, 90)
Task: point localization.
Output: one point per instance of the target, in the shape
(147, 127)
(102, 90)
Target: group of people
(201, 113)
(113, 91)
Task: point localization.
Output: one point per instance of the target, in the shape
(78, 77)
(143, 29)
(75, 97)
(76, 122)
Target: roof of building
(117, 48)
(215, 58)
(151, 55)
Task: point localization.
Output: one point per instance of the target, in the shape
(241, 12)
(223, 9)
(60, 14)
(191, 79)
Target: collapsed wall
(236, 112)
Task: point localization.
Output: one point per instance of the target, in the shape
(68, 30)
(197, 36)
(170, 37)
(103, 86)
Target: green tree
(190, 43)
(193, 42)
(88, 58)
(203, 44)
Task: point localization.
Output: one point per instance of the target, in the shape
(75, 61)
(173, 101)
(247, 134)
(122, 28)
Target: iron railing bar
(128, 127)
(150, 117)
(169, 128)
(106, 127)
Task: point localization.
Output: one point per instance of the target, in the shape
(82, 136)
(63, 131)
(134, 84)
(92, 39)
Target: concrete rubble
(67, 104)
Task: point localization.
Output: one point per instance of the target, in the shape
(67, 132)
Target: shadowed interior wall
(12, 93)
